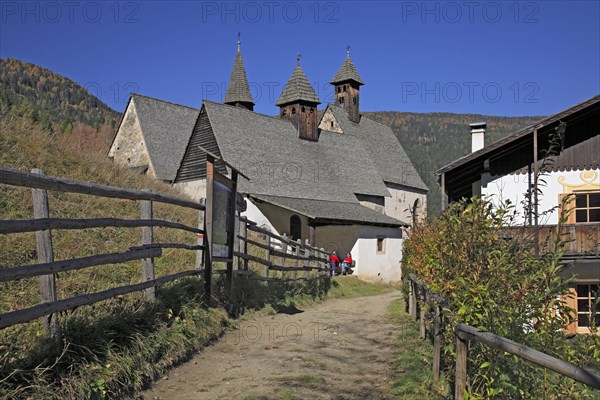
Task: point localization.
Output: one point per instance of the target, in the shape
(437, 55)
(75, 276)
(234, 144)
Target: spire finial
(239, 40)
(298, 57)
(348, 51)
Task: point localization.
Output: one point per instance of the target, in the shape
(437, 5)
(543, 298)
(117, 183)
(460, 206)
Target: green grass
(412, 376)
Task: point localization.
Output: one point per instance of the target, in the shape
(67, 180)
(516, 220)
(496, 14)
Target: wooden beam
(16, 177)
(537, 357)
(28, 271)
(29, 314)
(32, 225)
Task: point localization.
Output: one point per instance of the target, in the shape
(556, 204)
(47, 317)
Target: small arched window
(332, 124)
(312, 110)
(354, 100)
(283, 111)
(293, 110)
(295, 227)
(303, 110)
(344, 88)
(339, 89)
(341, 100)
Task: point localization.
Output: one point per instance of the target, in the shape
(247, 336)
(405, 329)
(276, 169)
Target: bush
(492, 280)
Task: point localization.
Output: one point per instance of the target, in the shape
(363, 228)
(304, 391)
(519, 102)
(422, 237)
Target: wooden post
(231, 235)
(284, 248)
(536, 172)
(244, 243)
(268, 255)
(307, 255)
(200, 241)
(422, 311)
(208, 231)
(412, 299)
(462, 348)
(296, 261)
(437, 343)
(236, 242)
(45, 255)
(443, 192)
(147, 263)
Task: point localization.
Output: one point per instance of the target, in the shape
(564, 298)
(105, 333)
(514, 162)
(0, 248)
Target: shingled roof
(383, 147)
(238, 90)
(166, 128)
(347, 72)
(268, 151)
(328, 211)
(298, 88)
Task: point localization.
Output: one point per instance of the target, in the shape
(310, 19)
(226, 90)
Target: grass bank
(412, 376)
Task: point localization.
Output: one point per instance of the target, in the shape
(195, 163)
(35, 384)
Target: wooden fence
(277, 249)
(47, 268)
(420, 298)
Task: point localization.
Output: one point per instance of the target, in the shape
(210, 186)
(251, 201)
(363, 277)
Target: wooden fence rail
(421, 297)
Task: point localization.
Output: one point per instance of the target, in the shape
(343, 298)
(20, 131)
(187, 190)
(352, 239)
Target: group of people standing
(334, 262)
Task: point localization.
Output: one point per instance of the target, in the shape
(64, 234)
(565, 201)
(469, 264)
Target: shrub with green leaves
(490, 277)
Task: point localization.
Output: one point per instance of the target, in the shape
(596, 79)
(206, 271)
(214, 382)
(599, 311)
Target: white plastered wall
(402, 201)
(513, 187)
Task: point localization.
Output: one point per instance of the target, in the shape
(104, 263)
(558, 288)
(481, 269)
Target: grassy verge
(412, 372)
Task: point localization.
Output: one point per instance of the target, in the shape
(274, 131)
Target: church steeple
(346, 84)
(238, 91)
(298, 103)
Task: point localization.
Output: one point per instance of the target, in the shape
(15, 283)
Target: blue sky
(486, 57)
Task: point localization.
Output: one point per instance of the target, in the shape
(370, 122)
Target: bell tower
(298, 103)
(346, 85)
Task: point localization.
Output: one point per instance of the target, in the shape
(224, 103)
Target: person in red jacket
(333, 262)
(347, 263)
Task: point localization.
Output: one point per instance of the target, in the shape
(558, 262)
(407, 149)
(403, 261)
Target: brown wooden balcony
(582, 240)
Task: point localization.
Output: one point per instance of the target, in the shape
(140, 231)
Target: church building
(332, 176)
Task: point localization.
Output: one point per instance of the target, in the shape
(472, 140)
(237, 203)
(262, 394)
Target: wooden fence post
(268, 255)
(200, 241)
(45, 255)
(422, 312)
(462, 348)
(147, 263)
(242, 245)
(437, 343)
(296, 260)
(307, 255)
(284, 249)
(412, 300)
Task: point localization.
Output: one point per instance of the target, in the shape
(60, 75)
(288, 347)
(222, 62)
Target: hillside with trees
(433, 140)
(49, 99)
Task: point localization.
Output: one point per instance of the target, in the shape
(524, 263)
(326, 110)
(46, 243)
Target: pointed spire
(347, 71)
(238, 90)
(298, 88)
(239, 41)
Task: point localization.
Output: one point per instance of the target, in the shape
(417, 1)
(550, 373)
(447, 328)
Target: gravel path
(338, 349)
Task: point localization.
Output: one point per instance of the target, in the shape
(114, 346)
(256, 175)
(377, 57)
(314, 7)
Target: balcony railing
(582, 240)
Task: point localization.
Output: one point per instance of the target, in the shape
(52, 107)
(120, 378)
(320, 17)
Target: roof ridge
(275, 117)
(132, 94)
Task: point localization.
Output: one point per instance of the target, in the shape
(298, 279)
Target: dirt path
(339, 349)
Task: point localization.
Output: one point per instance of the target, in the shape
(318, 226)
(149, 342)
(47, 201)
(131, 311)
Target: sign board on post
(219, 223)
